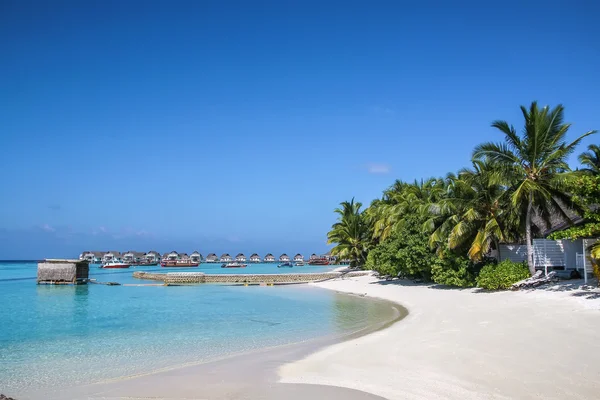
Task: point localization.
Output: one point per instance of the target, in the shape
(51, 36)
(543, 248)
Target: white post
(545, 258)
(584, 266)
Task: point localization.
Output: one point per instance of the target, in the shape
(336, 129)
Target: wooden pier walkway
(242, 279)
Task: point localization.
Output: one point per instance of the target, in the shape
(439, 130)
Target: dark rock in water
(3, 397)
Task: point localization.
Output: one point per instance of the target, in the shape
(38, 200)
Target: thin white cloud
(376, 168)
(48, 228)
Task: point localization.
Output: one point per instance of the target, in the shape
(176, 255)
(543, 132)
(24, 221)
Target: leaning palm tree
(350, 234)
(591, 159)
(535, 163)
(476, 213)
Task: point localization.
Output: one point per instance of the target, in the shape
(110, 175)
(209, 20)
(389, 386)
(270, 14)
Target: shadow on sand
(575, 286)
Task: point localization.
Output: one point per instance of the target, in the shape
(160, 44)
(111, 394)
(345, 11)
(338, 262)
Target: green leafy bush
(502, 275)
(453, 270)
(406, 252)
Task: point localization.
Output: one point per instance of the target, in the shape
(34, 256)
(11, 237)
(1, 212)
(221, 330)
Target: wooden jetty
(63, 272)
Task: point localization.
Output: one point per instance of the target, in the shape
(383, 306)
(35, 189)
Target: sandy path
(459, 344)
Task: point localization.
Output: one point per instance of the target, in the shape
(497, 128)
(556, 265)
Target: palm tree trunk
(528, 237)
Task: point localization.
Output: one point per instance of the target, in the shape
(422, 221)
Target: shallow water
(81, 334)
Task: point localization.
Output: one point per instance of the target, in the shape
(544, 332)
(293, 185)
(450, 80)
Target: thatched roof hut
(196, 256)
(63, 272)
(298, 257)
(255, 258)
(225, 257)
(240, 257)
(284, 257)
(269, 258)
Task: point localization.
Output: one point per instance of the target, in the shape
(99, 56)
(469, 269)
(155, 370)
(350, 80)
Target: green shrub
(453, 270)
(502, 275)
(406, 252)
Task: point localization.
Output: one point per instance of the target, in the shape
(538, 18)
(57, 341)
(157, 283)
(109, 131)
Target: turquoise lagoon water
(89, 333)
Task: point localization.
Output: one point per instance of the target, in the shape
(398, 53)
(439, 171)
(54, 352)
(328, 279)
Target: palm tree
(535, 164)
(475, 213)
(404, 199)
(591, 159)
(350, 234)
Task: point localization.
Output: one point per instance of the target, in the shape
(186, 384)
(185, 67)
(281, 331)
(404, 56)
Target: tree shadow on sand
(576, 286)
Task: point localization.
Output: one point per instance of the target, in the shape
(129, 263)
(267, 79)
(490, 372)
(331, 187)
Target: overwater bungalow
(184, 256)
(240, 258)
(93, 257)
(225, 258)
(111, 256)
(255, 258)
(284, 258)
(298, 257)
(313, 256)
(172, 256)
(196, 257)
(87, 256)
(212, 258)
(133, 257)
(152, 256)
(269, 258)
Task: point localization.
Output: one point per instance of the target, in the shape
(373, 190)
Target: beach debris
(536, 280)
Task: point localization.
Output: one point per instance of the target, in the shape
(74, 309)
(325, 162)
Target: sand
(466, 344)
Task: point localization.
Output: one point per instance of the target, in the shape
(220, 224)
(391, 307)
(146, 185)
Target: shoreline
(252, 373)
(465, 344)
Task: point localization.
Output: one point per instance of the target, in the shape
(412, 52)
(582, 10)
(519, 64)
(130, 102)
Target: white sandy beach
(461, 344)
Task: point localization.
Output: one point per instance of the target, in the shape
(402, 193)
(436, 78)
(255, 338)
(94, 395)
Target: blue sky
(239, 126)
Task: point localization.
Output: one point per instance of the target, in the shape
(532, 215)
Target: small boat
(115, 264)
(318, 261)
(178, 263)
(233, 265)
(299, 264)
(286, 264)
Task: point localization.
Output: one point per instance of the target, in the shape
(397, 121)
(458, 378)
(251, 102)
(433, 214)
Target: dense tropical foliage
(448, 229)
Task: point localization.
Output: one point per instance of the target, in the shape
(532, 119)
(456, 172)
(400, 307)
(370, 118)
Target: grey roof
(114, 253)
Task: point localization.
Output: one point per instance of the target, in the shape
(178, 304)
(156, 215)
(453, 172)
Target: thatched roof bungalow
(255, 258)
(110, 256)
(313, 256)
(240, 257)
(63, 272)
(212, 258)
(298, 257)
(152, 256)
(91, 256)
(172, 256)
(284, 258)
(226, 258)
(269, 258)
(133, 257)
(196, 257)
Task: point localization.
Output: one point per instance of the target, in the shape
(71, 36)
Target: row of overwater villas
(155, 257)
